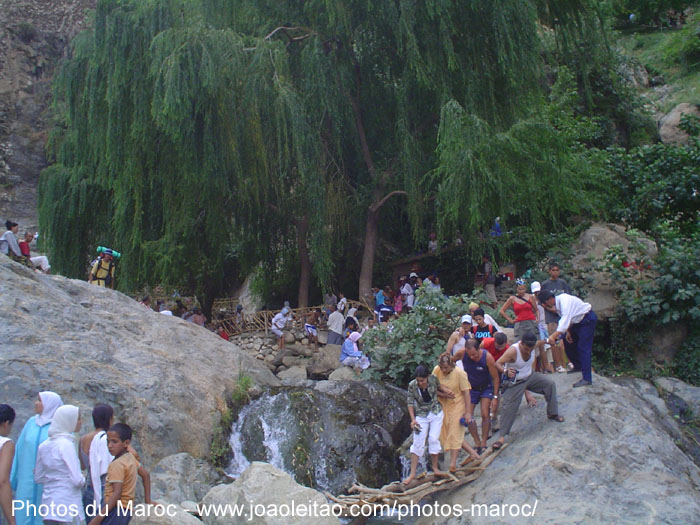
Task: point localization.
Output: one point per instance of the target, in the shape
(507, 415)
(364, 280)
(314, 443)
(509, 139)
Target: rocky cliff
(615, 459)
(33, 38)
(167, 378)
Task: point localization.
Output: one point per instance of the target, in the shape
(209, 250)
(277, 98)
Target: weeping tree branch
(286, 31)
(386, 197)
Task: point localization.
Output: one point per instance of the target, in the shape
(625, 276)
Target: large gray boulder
(669, 130)
(164, 515)
(324, 362)
(689, 394)
(271, 494)
(589, 253)
(167, 378)
(181, 477)
(614, 460)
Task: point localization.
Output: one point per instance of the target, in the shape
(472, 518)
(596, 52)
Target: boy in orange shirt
(120, 486)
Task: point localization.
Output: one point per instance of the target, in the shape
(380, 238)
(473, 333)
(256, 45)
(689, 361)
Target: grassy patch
(220, 450)
(670, 54)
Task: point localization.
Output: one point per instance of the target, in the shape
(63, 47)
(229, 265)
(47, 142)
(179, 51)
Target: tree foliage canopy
(189, 131)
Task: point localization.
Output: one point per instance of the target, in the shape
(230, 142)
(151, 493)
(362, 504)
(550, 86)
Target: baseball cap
(467, 319)
(413, 274)
(535, 286)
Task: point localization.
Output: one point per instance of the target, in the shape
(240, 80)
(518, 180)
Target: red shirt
(223, 334)
(24, 248)
(489, 343)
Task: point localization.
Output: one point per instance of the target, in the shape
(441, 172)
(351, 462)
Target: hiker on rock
(577, 320)
(516, 365)
(455, 401)
(484, 379)
(279, 322)
(102, 272)
(426, 419)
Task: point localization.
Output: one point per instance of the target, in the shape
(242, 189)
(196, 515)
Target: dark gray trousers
(513, 395)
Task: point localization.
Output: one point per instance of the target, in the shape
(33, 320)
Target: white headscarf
(51, 402)
(64, 421)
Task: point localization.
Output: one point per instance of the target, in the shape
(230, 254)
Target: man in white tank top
(519, 359)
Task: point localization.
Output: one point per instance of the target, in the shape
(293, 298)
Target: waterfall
(325, 440)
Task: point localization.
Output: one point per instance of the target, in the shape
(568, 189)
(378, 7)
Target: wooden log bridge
(395, 494)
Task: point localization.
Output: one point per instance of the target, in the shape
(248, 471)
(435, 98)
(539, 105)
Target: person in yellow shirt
(102, 272)
(455, 400)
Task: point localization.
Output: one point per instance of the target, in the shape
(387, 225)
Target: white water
(274, 435)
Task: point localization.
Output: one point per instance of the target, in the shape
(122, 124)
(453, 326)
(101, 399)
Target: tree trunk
(371, 235)
(304, 262)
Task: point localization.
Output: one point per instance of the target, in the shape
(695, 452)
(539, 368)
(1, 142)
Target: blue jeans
(580, 350)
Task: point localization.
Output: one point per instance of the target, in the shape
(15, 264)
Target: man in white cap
(457, 339)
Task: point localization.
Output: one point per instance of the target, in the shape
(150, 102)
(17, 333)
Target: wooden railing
(260, 321)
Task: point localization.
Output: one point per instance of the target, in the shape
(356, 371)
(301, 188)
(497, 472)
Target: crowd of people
(480, 366)
(58, 480)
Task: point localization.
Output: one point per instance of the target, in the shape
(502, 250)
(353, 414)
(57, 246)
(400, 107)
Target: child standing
(120, 486)
(58, 469)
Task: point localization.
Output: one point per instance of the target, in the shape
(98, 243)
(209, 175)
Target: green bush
(418, 338)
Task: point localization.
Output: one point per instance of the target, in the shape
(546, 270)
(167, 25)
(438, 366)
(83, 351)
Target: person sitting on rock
(9, 245)
(350, 354)
(279, 322)
(484, 379)
(426, 420)
(311, 328)
(39, 261)
(518, 377)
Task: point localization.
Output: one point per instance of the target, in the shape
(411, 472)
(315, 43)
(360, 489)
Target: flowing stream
(324, 439)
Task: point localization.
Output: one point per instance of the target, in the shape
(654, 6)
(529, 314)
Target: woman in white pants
(426, 419)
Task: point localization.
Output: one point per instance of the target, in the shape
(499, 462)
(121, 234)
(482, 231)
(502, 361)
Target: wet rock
(325, 437)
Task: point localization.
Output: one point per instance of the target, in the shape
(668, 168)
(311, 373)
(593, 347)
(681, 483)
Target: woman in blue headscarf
(35, 432)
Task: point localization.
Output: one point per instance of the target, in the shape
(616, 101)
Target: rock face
(324, 362)
(165, 377)
(166, 516)
(690, 395)
(33, 38)
(181, 477)
(614, 460)
(271, 494)
(589, 252)
(326, 436)
(669, 130)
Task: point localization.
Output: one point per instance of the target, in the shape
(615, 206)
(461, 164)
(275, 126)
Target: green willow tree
(199, 122)
(183, 138)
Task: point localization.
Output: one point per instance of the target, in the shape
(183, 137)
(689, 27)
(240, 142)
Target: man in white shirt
(577, 320)
(407, 291)
(335, 326)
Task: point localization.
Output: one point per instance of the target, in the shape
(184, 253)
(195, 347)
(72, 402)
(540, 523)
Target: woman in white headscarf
(58, 470)
(35, 431)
